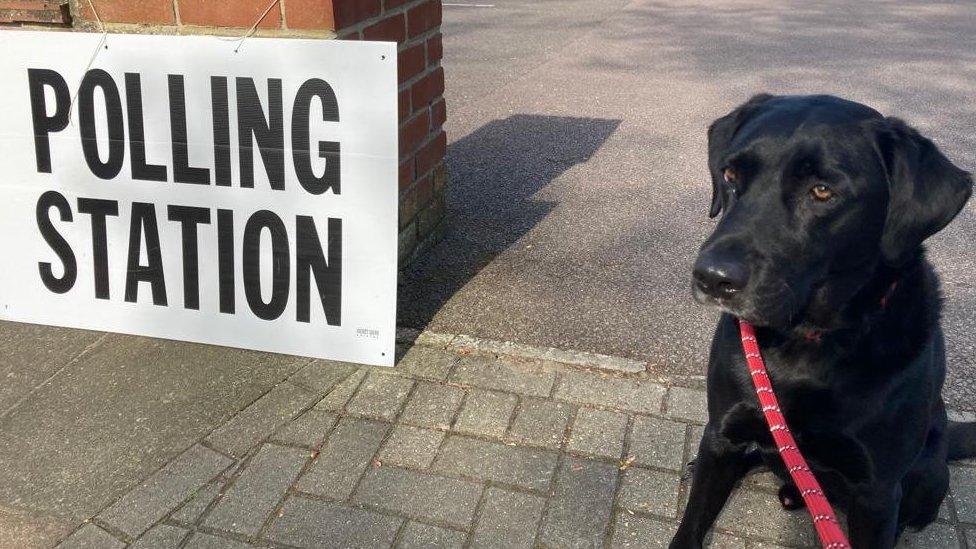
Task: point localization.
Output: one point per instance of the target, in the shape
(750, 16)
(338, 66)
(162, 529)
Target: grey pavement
(390, 458)
(577, 157)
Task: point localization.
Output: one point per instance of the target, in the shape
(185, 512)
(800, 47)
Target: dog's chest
(817, 418)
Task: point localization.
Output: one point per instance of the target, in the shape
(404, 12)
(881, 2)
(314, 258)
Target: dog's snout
(720, 276)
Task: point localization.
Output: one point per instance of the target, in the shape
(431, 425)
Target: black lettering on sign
(189, 217)
(48, 200)
(269, 133)
(328, 274)
(301, 150)
(137, 133)
(143, 223)
(44, 124)
(280, 258)
(182, 171)
(97, 78)
(221, 130)
(98, 210)
(225, 259)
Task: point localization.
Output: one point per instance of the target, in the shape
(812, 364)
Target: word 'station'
(240, 199)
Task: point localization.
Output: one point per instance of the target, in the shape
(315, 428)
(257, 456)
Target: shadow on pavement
(494, 173)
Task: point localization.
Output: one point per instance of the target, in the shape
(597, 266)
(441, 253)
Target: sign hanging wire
(254, 27)
(91, 61)
(102, 43)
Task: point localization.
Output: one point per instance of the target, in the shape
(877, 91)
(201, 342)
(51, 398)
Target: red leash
(824, 520)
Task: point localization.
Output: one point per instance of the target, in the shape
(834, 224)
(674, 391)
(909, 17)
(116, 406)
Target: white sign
(178, 189)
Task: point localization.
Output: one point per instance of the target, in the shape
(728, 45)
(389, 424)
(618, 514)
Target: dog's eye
(730, 175)
(821, 192)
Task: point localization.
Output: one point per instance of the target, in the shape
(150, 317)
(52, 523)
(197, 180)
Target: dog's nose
(720, 276)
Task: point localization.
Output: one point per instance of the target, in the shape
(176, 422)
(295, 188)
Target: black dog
(825, 205)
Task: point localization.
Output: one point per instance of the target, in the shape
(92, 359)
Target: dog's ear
(925, 189)
(720, 134)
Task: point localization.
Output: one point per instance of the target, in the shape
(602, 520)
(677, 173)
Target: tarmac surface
(578, 186)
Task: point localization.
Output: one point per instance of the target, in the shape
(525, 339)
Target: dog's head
(815, 192)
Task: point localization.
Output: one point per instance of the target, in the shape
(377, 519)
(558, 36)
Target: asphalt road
(577, 158)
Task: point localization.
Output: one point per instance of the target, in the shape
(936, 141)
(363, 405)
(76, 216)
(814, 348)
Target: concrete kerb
(465, 343)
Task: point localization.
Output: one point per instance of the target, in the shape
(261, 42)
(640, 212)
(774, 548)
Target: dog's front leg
(873, 520)
(719, 465)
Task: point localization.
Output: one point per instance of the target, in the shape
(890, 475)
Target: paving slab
(934, 536)
(634, 394)
(725, 541)
(337, 398)
(637, 532)
(580, 509)
(421, 496)
(427, 362)
(541, 422)
(649, 491)
(657, 442)
(410, 446)
(320, 376)
(161, 536)
(308, 429)
(416, 535)
(963, 487)
(136, 511)
(529, 468)
(501, 375)
(598, 432)
(247, 504)
(315, 524)
(32, 354)
(760, 515)
(433, 405)
(62, 455)
(687, 404)
(508, 520)
(194, 508)
(91, 536)
(23, 528)
(261, 418)
(345, 456)
(486, 413)
(201, 540)
(380, 396)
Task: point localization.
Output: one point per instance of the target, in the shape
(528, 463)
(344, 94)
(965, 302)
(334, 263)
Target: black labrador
(825, 204)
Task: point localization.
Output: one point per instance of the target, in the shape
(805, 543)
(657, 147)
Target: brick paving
(458, 446)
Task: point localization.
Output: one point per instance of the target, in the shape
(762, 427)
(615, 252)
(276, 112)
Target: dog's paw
(689, 470)
(790, 498)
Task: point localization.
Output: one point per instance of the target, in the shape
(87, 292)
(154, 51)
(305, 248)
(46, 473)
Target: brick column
(413, 24)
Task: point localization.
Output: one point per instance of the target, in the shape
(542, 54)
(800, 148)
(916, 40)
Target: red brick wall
(413, 24)
(34, 12)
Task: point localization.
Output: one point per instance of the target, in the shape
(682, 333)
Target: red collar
(887, 297)
(816, 336)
